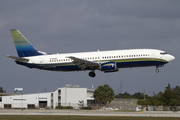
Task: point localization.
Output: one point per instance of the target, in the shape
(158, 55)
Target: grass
(48, 117)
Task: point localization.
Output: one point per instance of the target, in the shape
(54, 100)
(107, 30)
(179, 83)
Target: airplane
(105, 61)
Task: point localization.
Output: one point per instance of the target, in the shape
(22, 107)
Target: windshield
(163, 53)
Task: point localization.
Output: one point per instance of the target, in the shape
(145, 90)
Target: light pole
(38, 96)
(22, 99)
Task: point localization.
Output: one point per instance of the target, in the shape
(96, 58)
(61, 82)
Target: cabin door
(153, 55)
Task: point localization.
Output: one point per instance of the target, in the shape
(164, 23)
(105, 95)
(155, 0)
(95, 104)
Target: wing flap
(18, 58)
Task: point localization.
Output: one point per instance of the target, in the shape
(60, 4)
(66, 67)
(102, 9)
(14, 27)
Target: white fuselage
(130, 55)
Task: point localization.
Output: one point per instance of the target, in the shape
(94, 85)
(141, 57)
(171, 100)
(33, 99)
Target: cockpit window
(163, 53)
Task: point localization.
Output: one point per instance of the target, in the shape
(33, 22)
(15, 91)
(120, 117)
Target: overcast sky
(63, 26)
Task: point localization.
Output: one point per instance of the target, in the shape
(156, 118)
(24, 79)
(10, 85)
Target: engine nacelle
(109, 67)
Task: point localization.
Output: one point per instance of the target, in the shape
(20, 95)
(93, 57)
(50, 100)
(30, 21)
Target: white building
(66, 96)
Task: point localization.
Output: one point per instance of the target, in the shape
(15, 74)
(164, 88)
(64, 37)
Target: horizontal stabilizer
(18, 58)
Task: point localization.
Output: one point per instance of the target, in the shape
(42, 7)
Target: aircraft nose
(171, 58)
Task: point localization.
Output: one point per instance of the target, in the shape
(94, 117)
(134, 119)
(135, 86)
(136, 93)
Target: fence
(90, 106)
(24, 105)
(163, 108)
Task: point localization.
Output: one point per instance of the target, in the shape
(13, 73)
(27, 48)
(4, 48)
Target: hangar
(66, 96)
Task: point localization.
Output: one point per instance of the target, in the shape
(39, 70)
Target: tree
(168, 95)
(138, 95)
(143, 102)
(157, 102)
(81, 103)
(168, 87)
(176, 90)
(174, 102)
(104, 94)
(2, 91)
(125, 95)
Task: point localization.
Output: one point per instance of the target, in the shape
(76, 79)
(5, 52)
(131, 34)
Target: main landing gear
(92, 74)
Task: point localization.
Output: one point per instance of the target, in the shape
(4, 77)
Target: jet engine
(109, 67)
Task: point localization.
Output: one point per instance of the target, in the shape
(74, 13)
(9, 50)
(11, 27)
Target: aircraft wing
(18, 58)
(83, 63)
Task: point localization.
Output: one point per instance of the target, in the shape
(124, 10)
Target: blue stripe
(139, 64)
(26, 51)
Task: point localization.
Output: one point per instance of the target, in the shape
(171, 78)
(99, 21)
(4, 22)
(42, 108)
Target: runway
(90, 113)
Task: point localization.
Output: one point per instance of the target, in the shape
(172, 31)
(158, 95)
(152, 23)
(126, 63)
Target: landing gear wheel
(92, 74)
(157, 70)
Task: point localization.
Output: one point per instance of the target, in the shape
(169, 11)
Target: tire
(157, 70)
(92, 74)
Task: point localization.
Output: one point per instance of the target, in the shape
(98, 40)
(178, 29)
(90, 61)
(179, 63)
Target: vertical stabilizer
(23, 47)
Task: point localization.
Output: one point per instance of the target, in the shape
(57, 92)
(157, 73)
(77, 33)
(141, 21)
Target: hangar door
(42, 104)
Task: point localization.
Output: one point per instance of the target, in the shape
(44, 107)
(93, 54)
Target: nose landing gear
(157, 70)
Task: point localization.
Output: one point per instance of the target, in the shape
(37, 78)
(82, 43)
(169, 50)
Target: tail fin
(23, 47)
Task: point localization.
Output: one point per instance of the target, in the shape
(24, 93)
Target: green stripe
(19, 43)
(140, 59)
